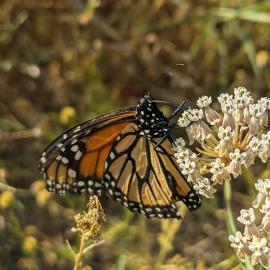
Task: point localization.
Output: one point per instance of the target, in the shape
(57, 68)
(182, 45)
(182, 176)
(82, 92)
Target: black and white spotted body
(150, 119)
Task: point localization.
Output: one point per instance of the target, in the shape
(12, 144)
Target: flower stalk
(88, 226)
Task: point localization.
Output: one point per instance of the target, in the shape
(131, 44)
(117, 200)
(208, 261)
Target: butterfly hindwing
(182, 190)
(137, 175)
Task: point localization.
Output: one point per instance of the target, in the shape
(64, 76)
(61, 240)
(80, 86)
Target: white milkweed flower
(254, 242)
(179, 142)
(240, 243)
(236, 160)
(260, 251)
(265, 206)
(256, 121)
(212, 116)
(225, 144)
(204, 102)
(237, 240)
(183, 121)
(227, 108)
(225, 98)
(265, 103)
(265, 224)
(263, 188)
(255, 146)
(247, 216)
(224, 140)
(265, 153)
(242, 99)
(219, 171)
(196, 128)
(203, 187)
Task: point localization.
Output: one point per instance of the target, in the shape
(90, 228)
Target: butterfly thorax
(150, 119)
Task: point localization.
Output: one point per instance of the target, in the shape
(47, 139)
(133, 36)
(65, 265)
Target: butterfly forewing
(75, 160)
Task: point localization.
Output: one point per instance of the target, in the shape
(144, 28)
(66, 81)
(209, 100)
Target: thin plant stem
(229, 215)
(248, 264)
(249, 177)
(87, 249)
(70, 248)
(22, 134)
(79, 255)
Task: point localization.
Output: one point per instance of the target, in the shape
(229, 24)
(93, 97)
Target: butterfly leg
(161, 141)
(183, 105)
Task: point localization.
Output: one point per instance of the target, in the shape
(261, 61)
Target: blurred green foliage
(62, 62)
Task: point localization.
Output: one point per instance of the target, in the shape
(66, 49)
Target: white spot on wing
(49, 182)
(112, 155)
(80, 183)
(71, 173)
(78, 155)
(65, 160)
(97, 184)
(90, 183)
(77, 129)
(74, 148)
(112, 183)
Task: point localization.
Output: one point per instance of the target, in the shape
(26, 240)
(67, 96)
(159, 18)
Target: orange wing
(75, 160)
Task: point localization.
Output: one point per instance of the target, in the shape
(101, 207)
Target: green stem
(79, 255)
(248, 264)
(250, 179)
(229, 215)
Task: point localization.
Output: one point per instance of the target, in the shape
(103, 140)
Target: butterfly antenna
(161, 101)
(164, 75)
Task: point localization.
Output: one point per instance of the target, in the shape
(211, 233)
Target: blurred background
(63, 62)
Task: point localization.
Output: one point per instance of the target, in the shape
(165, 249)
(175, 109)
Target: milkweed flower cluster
(254, 242)
(224, 140)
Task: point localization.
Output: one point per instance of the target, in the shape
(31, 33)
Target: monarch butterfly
(126, 152)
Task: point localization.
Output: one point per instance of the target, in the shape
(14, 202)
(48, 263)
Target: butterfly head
(150, 119)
